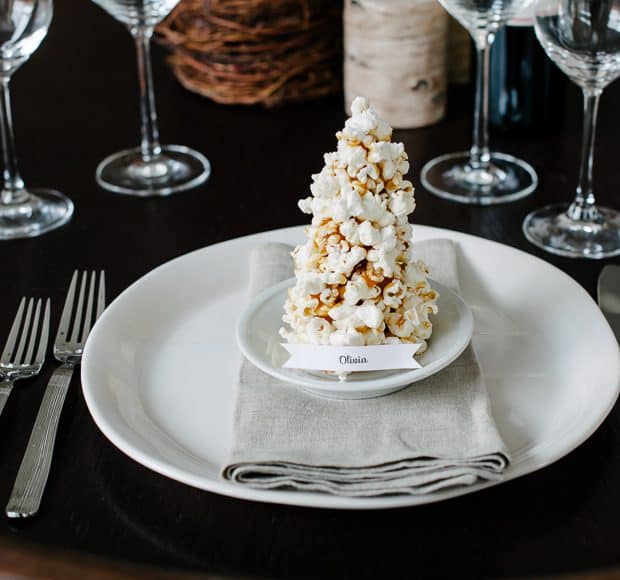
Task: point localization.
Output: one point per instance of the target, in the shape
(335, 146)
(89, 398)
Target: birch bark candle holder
(395, 55)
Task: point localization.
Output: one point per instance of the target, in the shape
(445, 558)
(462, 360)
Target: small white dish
(260, 343)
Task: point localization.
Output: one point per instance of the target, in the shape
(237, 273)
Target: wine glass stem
(583, 207)
(13, 186)
(148, 117)
(479, 153)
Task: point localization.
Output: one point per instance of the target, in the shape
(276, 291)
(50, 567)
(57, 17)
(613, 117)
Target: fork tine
(89, 306)
(101, 295)
(77, 320)
(12, 338)
(45, 331)
(24, 333)
(27, 360)
(65, 319)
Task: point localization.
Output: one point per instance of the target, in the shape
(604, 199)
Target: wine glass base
(551, 229)
(41, 211)
(452, 177)
(176, 169)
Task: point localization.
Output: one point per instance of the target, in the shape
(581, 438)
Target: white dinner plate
(259, 341)
(160, 366)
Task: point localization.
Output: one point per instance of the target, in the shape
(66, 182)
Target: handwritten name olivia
(351, 358)
(345, 359)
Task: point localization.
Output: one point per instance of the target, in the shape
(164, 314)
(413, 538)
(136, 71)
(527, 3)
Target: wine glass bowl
(482, 17)
(583, 38)
(150, 169)
(587, 58)
(23, 27)
(24, 212)
(145, 13)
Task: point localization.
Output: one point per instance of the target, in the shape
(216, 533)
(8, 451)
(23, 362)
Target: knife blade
(609, 296)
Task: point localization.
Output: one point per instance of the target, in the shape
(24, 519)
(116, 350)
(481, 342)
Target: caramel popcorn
(357, 282)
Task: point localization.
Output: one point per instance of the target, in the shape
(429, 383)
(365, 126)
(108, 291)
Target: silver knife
(609, 296)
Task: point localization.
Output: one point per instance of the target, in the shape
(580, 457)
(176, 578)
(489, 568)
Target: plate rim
(384, 385)
(304, 499)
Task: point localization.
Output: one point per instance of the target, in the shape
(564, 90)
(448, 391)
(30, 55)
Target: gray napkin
(435, 434)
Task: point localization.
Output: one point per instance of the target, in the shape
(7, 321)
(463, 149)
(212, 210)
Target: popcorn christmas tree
(356, 281)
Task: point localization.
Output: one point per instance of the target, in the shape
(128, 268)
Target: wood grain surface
(76, 102)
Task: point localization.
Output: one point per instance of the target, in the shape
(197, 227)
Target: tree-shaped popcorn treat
(357, 282)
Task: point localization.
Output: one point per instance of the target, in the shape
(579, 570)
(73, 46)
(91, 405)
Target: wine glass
(479, 176)
(151, 169)
(583, 38)
(24, 213)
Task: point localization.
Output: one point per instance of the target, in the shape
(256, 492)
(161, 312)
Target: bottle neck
(526, 90)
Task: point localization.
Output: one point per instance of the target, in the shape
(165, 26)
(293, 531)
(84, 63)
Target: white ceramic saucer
(259, 341)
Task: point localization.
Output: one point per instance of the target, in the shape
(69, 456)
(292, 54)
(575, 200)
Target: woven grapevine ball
(256, 51)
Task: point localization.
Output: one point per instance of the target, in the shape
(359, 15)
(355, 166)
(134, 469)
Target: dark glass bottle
(526, 90)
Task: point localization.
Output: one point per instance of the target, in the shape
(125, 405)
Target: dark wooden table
(74, 103)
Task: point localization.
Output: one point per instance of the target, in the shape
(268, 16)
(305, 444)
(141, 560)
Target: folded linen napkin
(437, 433)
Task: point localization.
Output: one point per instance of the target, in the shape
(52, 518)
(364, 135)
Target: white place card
(351, 358)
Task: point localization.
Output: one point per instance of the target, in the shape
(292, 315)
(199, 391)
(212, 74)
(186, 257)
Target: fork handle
(5, 390)
(35, 467)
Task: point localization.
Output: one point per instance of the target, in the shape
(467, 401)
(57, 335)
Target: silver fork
(35, 467)
(14, 364)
